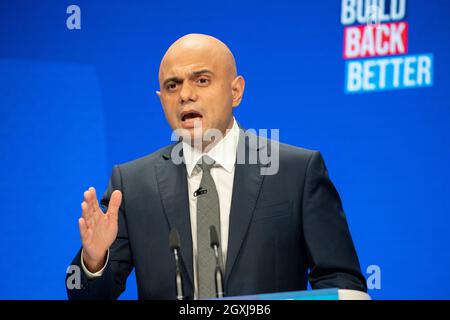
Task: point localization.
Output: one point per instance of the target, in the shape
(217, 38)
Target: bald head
(199, 84)
(196, 46)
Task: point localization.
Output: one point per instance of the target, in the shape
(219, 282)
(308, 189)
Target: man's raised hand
(98, 230)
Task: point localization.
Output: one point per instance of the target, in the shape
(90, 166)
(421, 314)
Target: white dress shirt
(224, 155)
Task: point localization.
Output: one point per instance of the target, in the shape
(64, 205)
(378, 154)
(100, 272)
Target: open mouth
(191, 114)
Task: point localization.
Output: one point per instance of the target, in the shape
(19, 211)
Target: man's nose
(187, 93)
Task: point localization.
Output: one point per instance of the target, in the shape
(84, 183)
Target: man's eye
(203, 81)
(171, 86)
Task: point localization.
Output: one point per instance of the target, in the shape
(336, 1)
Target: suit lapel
(246, 187)
(172, 184)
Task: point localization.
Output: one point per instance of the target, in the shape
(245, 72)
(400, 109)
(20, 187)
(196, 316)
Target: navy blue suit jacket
(285, 229)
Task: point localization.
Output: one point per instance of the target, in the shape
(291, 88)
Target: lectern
(322, 294)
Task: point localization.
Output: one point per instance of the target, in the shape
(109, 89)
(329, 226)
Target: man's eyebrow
(194, 73)
(202, 71)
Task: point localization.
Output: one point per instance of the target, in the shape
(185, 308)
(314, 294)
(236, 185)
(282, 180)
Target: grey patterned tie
(208, 214)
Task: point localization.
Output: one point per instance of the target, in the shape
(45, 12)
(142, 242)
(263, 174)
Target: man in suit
(276, 231)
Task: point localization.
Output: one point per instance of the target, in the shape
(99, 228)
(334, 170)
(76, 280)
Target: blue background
(75, 102)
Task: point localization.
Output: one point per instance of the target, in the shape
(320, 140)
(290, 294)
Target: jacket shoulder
(290, 152)
(145, 161)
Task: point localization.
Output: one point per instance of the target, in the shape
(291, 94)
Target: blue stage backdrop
(77, 95)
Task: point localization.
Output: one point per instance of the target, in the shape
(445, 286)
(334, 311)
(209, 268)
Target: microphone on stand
(174, 243)
(218, 273)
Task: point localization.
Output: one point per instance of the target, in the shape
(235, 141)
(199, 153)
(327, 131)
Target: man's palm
(98, 230)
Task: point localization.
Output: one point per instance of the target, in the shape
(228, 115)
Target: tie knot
(206, 163)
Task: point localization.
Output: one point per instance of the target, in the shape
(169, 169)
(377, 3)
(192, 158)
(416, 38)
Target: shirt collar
(223, 153)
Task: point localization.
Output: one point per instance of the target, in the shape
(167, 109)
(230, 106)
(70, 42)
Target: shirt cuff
(97, 274)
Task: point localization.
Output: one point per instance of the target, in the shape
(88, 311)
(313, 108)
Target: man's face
(196, 90)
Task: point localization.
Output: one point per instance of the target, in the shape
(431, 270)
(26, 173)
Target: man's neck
(205, 146)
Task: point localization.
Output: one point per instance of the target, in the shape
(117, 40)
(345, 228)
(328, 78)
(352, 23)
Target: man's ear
(158, 93)
(237, 87)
